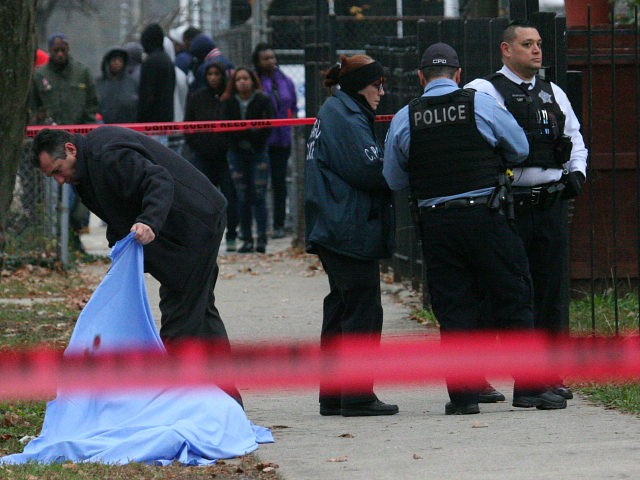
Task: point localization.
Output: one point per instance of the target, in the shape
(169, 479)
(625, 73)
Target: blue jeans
(250, 175)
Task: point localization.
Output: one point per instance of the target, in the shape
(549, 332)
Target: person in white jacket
(180, 92)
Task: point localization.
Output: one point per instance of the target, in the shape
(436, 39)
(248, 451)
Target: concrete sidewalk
(279, 296)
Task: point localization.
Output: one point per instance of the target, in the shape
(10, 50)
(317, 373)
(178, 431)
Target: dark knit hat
(356, 80)
(54, 36)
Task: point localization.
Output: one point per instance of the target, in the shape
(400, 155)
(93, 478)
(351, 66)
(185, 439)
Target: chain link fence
(33, 224)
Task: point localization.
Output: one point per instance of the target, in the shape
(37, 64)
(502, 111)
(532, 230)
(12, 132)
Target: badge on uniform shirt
(545, 97)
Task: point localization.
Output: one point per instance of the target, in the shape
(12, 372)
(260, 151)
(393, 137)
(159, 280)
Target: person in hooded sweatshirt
(157, 80)
(184, 59)
(210, 148)
(134, 60)
(117, 90)
(204, 49)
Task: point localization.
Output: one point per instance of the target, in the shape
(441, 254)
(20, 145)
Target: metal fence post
(64, 225)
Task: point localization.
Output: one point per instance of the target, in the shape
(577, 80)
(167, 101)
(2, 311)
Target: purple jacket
(284, 105)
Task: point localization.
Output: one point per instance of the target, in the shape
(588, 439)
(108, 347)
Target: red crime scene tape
(167, 128)
(409, 360)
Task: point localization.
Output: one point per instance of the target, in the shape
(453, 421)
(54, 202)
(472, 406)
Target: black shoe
(542, 401)
(329, 409)
(488, 394)
(246, 247)
(371, 409)
(562, 390)
(261, 245)
(452, 409)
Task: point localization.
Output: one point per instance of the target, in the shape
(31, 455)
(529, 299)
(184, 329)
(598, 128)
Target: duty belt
(458, 203)
(542, 196)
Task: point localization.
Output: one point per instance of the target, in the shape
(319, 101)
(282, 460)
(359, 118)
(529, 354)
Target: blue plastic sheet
(194, 426)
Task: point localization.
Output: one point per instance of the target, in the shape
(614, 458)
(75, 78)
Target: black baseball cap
(439, 55)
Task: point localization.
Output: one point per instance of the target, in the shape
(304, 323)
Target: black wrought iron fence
(605, 229)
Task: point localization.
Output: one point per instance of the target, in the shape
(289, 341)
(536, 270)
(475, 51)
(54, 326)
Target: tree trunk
(17, 59)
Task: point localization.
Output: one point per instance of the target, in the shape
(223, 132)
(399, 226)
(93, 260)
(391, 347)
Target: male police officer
(451, 147)
(554, 171)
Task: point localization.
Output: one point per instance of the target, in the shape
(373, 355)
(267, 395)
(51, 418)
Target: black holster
(562, 150)
(502, 198)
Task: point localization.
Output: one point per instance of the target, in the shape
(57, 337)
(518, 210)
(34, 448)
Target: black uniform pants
(352, 307)
(191, 312)
(544, 233)
(472, 255)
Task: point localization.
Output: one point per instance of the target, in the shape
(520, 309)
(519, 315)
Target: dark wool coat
(127, 177)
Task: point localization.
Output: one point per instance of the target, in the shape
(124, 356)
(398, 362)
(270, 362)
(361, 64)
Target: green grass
(247, 467)
(605, 314)
(16, 421)
(624, 397)
(23, 326)
(31, 281)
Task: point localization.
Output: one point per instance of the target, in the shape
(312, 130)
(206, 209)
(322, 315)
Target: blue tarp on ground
(194, 426)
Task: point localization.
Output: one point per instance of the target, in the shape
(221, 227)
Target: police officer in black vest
(554, 172)
(451, 147)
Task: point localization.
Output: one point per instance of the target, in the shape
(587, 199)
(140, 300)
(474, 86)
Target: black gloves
(573, 183)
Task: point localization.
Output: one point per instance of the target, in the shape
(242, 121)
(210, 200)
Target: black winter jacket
(254, 139)
(126, 177)
(205, 104)
(157, 79)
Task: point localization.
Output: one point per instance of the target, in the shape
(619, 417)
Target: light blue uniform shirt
(495, 124)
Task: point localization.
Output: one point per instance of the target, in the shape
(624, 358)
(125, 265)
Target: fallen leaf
(417, 457)
(342, 458)
(26, 439)
(479, 425)
(10, 419)
(346, 435)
